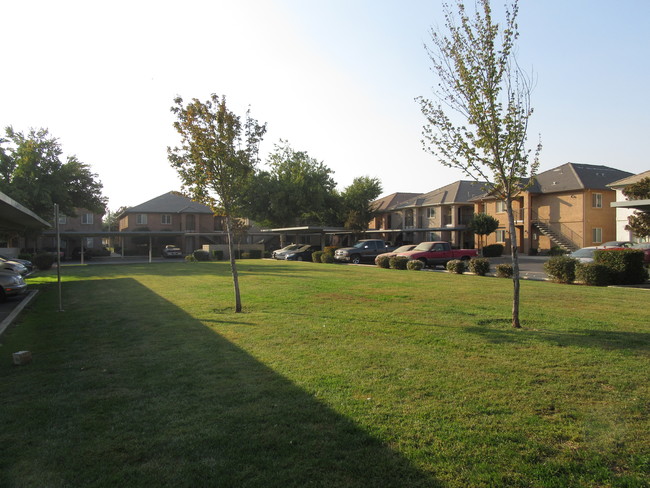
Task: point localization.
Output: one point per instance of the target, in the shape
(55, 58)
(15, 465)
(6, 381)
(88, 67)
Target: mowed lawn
(334, 376)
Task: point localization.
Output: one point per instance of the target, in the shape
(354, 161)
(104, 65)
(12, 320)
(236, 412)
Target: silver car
(11, 284)
(14, 266)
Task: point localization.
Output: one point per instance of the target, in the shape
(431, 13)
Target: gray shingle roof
(577, 176)
(629, 180)
(170, 203)
(461, 191)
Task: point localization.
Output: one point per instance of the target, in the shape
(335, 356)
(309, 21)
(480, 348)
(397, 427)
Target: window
(501, 207)
(90, 242)
(63, 219)
(431, 212)
(87, 218)
(434, 236)
(166, 219)
(597, 235)
(597, 201)
(141, 219)
(501, 235)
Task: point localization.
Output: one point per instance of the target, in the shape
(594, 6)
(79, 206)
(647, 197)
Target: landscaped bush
(43, 261)
(493, 251)
(625, 265)
(383, 261)
(330, 249)
(327, 258)
(456, 266)
(25, 256)
(398, 262)
(593, 274)
(556, 251)
(561, 269)
(479, 266)
(190, 258)
(217, 254)
(201, 255)
(414, 265)
(316, 256)
(504, 270)
(252, 254)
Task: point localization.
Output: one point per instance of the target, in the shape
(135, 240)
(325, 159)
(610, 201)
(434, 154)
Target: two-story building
(79, 231)
(625, 208)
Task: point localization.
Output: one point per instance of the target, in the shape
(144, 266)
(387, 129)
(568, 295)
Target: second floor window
(141, 219)
(166, 219)
(501, 207)
(431, 212)
(87, 218)
(597, 200)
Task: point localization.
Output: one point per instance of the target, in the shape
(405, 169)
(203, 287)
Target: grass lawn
(333, 376)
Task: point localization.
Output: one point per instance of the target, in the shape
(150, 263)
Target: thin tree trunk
(515, 264)
(233, 266)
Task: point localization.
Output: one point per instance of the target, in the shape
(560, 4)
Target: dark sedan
(302, 253)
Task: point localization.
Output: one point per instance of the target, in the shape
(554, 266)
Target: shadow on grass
(126, 389)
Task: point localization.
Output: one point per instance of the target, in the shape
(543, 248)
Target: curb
(16, 311)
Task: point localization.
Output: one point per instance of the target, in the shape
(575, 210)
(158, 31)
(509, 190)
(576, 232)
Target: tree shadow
(143, 394)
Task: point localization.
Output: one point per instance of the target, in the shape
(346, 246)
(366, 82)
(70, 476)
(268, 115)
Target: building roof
(461, 191)
(390, 201)
(575, 177)
(629, 180)
(169, 203)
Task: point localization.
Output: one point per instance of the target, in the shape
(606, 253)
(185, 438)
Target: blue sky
(335, 78)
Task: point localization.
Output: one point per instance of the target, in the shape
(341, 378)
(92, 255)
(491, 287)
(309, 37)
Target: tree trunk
(515, 264)
(233, 266)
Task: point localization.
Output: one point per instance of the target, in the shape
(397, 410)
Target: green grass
(332, 376)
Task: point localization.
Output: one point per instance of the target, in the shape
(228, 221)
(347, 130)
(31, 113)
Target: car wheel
(424, 262)
(355, 259)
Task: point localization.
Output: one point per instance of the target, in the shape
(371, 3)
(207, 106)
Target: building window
(597, 200)
(63, 219)
(501, 235)
(87, 218)
(431, 212)
(501, 207)
(141, 219)
(166, 219)
(597, 235)
(90, 242)
(434, 236)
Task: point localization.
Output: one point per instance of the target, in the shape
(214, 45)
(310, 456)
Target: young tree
(32, 172)
(480, 119)
(357, 203)
(218, 153)
(483, 225)
(639, 221)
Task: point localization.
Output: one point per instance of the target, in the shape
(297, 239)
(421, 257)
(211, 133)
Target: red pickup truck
(438, 253)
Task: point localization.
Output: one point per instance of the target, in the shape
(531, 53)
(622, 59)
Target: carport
(15, 217)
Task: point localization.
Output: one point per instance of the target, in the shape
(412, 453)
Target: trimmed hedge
(383, 261)
(504, 270)
(252, 254)
(593, 274)
(398, 262)
(493, 251)
(327, 258)
(316, 256)
(201, 255)
(43, 261)
(625, 265)
(455, 266)
(330, 249)
(218, 255)
(561, 269)
(479, 266)
(414, 265)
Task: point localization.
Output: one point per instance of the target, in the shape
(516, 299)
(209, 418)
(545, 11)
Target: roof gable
(629, 180)
(392, 200)
(171, 202)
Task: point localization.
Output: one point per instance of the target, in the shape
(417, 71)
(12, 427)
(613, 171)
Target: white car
(584, 255)
(13, 266)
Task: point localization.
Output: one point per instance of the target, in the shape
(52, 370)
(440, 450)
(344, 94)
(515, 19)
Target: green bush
(330, 249)
(201, 255)
(316, 256)
(504, 270)
(593, 274)
(479, 266)
(252, 254)
(190, 258)
(217, 254)
(561, 269)
(625, 265)
(414, 265)
(327, 258)
(556, 251)
(455, 266)
(27, 257)
(383, 261)
(492, 251)
(398, 262)
(43, 261)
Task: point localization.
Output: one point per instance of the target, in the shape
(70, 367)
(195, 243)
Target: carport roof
(15, 217)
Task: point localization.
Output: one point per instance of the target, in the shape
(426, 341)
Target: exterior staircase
(555, 236)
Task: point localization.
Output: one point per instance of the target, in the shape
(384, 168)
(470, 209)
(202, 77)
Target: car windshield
(303, 248)
(642, 245)
(361, 245)
(404, 248)
(423, 246)
(583, 253)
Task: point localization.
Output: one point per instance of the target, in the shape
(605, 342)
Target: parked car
(28, 264)
(438, 253)
(282, 253)
(645, 247)
(364, 250)
(584, 255)
(301, 254)
(405, 248)
(171, 251)
(11, 284)
(616, 244)
(13, 266)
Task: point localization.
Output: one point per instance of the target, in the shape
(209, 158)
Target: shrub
(218, 255)
(414, 265)
(625, 265)
(330, 249)
(492, 251)
(316, 256)
(455, 266)
(398, 262)
(27, 257)
(479, 266)
(556, 251)
(201, 255)
(190, 258)
(383, 261)
(252, 254)
(43, 261)
(504, 270)
(327, 258)
(561, 269)
(593, 274)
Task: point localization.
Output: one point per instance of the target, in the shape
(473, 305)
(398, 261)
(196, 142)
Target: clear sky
(336, 78)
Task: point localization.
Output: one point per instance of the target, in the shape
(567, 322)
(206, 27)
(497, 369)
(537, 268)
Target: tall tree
(639, 221)
(357, 200)
(217, 154)
(480, 118)
(33, 173)
(296, 190)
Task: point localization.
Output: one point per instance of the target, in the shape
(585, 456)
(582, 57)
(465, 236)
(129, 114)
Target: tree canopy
(34, 174)
(357, 203)
(482, 225)
(639, 221)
